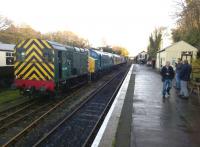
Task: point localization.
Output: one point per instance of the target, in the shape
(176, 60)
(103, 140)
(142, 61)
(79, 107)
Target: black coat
(167, 73)
(185, 72)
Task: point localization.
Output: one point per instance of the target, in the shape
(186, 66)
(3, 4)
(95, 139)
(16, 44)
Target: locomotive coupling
(42, 89)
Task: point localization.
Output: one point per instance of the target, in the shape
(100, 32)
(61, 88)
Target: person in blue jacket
(185, 77)
(167, 73)
(177, 77)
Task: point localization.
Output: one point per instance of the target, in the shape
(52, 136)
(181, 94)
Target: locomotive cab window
(20, 54)
(48, 55)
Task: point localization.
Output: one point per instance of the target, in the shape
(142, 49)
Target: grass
(113, 143)
(8, 95)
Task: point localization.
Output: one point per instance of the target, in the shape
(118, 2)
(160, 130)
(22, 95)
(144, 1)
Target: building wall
(5, 57)
(2, 58)
(174, 52)
(161, 59)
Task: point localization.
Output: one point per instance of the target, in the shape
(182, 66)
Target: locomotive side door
(66, 66)
(59, 65)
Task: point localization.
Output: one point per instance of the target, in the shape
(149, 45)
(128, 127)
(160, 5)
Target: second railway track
(49, 115)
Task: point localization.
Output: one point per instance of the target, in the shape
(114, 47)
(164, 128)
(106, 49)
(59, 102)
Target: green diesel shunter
(71, 65)
(47, 66)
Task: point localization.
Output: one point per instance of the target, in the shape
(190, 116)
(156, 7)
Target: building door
(187, 55)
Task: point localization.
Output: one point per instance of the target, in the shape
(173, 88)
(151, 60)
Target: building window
(8, 54)
(9, 60)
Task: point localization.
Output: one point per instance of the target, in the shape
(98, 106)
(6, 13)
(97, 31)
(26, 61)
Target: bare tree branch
(4, 23)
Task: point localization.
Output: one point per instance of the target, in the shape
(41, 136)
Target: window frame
(48, 55)
(19, 56)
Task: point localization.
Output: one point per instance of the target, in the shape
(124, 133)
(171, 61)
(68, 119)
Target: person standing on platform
(184, 78)
(153, 63)
(178, 70)
(167, 73)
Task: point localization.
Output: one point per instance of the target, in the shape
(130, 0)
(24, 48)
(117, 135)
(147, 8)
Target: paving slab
(156, 122)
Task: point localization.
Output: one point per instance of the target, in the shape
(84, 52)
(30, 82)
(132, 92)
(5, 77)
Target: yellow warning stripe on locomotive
(91, 65)
(20, 44)
(33, 47)
(34, 67)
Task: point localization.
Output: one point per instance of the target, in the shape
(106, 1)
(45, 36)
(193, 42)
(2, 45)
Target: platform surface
(172, 122)
(155, 122)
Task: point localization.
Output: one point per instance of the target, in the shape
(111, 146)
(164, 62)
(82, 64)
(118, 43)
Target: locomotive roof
(6, 47)
(62, 47)
(104, 53)
(95, 51)
(116, 55)
(57, 46)
(109, 54)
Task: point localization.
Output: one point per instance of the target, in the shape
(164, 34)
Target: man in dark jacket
(185, 77)
(167, 73)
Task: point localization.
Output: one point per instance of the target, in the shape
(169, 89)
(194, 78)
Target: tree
(120, 50)
(4, 23)
(10, 33)
(14, 34)
(107, 48)
(68, 38)
(115, 50)
(188, 23)
(155, 40)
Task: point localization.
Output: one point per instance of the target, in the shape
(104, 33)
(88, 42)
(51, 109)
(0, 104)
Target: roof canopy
(180, 42)
(7, 47)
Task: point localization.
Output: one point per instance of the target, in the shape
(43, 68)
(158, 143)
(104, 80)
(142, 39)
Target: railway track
(42, 112)
(80, 126)
(12, 118)
(16, 108)
(23, 118)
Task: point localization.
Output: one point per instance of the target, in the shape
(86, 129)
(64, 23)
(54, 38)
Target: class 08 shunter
(47, 66)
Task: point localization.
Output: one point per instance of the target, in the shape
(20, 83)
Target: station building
(6, 54)
(181, 50)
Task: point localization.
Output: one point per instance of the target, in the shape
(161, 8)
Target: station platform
(140, 117)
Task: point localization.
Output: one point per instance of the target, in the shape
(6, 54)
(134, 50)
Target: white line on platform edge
(105, 123)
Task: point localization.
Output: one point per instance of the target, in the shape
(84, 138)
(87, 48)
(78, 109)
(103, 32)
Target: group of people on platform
(182, 76)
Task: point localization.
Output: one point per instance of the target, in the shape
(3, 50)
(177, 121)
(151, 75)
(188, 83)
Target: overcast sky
(120, 22)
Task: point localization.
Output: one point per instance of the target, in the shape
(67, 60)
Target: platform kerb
(107, 133)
